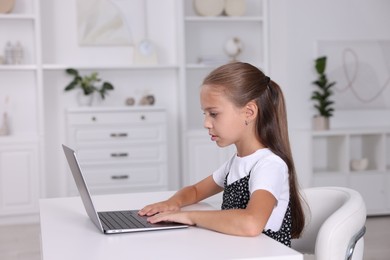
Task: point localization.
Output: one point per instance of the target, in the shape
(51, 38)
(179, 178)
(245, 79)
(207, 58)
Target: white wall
(60, 50)
(295, 28)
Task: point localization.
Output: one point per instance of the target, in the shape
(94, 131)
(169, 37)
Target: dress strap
(228, 165)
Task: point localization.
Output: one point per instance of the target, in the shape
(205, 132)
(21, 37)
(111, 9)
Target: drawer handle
(118, 135)
(119, 154)
(119, 177)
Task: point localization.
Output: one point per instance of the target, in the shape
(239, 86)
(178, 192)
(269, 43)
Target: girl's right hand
(159, 207)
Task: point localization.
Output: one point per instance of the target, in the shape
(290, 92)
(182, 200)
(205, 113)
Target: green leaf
(107, 86)
(320, 64)
(72, 72)
(71, 85)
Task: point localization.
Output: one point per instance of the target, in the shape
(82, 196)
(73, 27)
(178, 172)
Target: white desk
(68, 233)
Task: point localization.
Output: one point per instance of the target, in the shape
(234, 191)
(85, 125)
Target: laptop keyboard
(123, 220)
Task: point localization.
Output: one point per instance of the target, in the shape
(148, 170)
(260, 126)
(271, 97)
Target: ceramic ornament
(6, 6)
(233, 47)
(209, 7)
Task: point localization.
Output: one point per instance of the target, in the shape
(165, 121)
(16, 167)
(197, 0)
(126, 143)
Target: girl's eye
(212, 114)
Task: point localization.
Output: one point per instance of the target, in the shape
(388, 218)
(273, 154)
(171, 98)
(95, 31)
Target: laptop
(111, 222)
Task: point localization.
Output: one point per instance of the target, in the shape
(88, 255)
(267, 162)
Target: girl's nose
(206, 123)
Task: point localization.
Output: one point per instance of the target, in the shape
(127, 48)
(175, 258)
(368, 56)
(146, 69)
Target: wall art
(362, 72)
(110, 22)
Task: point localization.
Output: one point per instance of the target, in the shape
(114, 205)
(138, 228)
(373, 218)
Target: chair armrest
(352, 243)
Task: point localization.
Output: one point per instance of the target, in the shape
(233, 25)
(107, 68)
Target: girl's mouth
(213, 137)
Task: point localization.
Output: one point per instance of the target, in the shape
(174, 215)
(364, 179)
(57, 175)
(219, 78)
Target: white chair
(335, 224)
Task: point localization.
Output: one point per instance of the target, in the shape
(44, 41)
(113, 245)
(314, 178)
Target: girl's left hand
(172, 216)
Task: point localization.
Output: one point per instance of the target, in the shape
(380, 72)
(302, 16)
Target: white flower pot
(84, 100)
(320, 123)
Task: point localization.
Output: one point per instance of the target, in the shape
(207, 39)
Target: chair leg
(352, 243)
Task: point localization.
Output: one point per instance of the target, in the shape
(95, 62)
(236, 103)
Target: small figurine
(8, 54)
(130, 101)
(233, 47)
(4, 129)
(147, 100)
(17, 53)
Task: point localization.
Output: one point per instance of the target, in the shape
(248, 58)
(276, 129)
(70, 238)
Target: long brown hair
(242, 83)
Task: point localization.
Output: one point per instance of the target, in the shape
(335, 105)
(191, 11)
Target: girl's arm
(242, 222)
(186, 196)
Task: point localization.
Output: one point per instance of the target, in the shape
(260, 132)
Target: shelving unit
(203, 37)
(333, 152)
(21, 178)
(114, 64)
(39, 114)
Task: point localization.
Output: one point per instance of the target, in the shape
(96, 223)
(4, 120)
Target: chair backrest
(334, 217)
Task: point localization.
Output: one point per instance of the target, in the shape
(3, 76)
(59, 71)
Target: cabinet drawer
(120, 134)
(132, 175)
(141, 153)
(102, 118)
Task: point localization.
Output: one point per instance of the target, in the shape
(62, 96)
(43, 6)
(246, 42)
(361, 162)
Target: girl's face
(225, 121)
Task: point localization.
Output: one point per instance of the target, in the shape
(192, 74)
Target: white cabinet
(355, 158)
(20, 99)
(120, 149)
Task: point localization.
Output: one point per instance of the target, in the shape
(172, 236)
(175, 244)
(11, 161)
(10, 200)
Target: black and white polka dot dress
(236, 196)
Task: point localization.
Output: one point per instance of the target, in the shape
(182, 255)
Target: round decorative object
(147, 100)
(209, 7)
(145, 53)
(235, 7)
(359, 164)
(6, 6)
(130, 101)
(233, 47)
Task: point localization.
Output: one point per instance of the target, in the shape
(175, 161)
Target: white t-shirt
(269, 172)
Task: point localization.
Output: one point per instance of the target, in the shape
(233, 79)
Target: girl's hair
(242, 83)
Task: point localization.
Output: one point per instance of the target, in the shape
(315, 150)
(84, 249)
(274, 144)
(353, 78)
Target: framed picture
(361, 70)
(110, 22)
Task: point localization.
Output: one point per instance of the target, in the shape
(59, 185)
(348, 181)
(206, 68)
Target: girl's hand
(159, 207)
(172, 216)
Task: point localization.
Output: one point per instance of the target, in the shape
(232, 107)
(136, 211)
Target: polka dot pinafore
(236, 196)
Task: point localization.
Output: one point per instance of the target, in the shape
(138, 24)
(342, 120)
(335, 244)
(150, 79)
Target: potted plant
(322, 96)
(89, 84)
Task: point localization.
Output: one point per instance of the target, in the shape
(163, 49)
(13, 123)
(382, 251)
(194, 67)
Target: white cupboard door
(18, 180)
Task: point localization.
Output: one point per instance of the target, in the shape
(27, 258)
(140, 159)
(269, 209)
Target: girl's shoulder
(265, 157)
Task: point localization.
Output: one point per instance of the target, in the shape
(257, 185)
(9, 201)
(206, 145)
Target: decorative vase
(235, 7)
(209, 7)
(6, 6)
(320, 123)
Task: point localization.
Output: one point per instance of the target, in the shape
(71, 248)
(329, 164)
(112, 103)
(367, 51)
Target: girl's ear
(251, 110)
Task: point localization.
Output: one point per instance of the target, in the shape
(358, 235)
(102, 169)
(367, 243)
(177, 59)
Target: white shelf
(333, 152)
(224, 19)
(17, 17)
(109, 67)
(18, 67)
(16, 139)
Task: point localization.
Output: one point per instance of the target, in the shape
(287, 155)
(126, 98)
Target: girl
(243, 107)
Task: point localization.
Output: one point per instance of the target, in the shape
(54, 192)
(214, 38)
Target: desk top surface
(68, 233)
